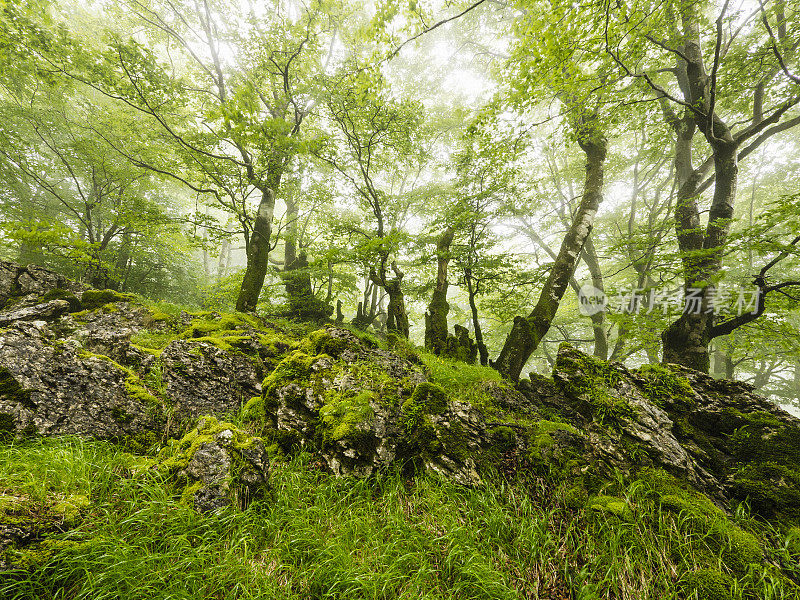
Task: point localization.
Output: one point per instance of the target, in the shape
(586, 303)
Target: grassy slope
(319, 537)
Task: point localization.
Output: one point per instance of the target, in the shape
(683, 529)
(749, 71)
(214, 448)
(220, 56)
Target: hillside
(152, 452)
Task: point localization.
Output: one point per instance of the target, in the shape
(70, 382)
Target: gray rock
(218, 465)
(46, 311)
(203, 379)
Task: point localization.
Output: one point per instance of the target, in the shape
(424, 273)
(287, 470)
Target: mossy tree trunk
(436, 317)
(257, 251)
(527, 332)
(396, 315)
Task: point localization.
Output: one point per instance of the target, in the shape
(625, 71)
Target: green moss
(254, 411)
(295, 367)
(610, 505)
(454, 440)
(120, 416)
(70, 509)
(133, 384)
(62, 294)
(341, 416)
(94, 299)
(541, 433)
(699, 515)
(175, 458)
(665, 387)
(321, 342)
(210, 325)
(708, 584)
(427, 398)
(771, 489)
(594, 380)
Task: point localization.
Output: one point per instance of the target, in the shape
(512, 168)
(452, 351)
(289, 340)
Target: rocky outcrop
(200, 378)
(121, 370)
(24, 286)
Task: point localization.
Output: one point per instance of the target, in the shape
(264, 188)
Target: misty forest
(400, 299)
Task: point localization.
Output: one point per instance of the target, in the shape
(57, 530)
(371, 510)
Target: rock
(200, 378)
(46, 311)
(218, 465)
(50, 387)
(22, 286)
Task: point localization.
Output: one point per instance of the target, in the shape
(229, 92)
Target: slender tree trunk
(483, 351)
(257, 253)
(526, 333)
(598, 319)
(436, 317)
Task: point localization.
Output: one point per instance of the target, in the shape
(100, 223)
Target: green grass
(456, 376)
(319, 537)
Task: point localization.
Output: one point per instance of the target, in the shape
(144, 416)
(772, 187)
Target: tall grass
(318, 537)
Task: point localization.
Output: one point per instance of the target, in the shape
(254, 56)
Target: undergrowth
(315, 536)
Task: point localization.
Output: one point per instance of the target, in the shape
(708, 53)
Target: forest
(409, 173)
(579, 218)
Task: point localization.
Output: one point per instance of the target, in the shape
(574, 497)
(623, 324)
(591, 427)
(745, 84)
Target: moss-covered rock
(708, 584)
(216, 464)
(94, 299)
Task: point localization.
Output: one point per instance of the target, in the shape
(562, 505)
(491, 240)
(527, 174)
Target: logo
(591, 300)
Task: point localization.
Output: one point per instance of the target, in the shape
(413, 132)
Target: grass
(455, 376)
(318, 537)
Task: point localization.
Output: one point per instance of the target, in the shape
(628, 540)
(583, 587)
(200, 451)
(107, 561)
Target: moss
(541, 433)
(663, 386)
(94, 299)
(12, 391)
(295, 367)
(341, 416)
(70, 509)
(771, 489)
(321, 342)
(403, 348)
(62, 294)
(427, 398)
(254, 411)
(179, 453)
(134, 386)
(610, 505)
(120, 416)
(576, 497)
(708, 584)
(593, 380)
(739, 549)
(210, 324)
(698, 514)
(175, 458)
(454, 440)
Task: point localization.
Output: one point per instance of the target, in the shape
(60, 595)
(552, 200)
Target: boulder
(217, 465)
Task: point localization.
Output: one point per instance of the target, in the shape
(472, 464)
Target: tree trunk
(257, 253)
(483, 351)
(436, 317)
(598, 319)
(526, 333)
(396, 315)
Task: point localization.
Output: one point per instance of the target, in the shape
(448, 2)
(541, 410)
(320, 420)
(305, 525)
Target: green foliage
(594, 380)
(665, 387)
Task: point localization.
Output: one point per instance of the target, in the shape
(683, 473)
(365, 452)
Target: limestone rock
(203, 379)
(218, 465)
